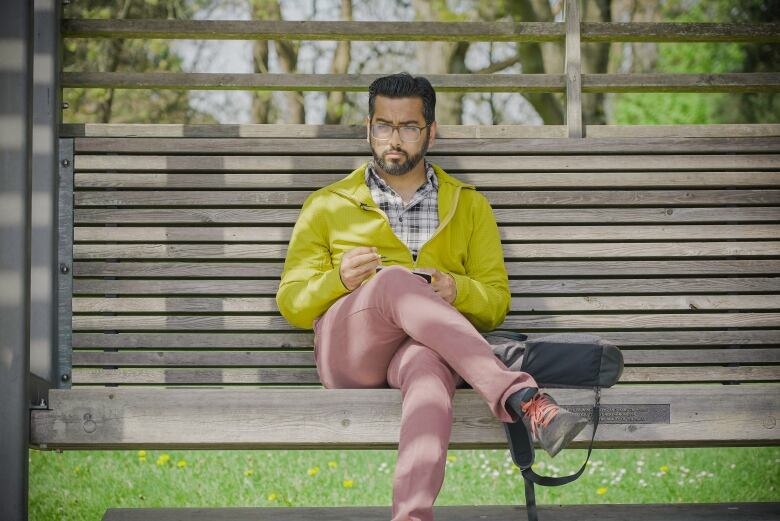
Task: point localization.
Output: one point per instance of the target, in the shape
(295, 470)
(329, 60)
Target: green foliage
(693, 58)
(131, 55)
(81, 485)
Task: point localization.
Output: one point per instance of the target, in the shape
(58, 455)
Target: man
(374, 328)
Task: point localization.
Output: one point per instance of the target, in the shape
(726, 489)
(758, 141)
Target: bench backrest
(666, 246)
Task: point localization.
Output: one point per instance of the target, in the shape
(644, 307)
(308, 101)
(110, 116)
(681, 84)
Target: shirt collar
(429, 172)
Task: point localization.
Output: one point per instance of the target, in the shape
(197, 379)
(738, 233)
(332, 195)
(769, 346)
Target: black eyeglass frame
(398, 128)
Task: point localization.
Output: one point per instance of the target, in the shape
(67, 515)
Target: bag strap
(522, 451)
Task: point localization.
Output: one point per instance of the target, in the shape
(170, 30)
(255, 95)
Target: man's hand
(357, 265)
(444, 285)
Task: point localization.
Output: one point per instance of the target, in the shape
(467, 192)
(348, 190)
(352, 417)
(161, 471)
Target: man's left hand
(444, 285)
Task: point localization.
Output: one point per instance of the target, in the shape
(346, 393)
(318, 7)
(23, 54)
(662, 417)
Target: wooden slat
(444, 147)
(518, 304)
(531, 216)
(525, 322)
(277, 252)
(310, 82)
(508, 233)
(417, 31)
(306, 358)
(640, 512)
(291, 165)
(655, 82)
(206, 287)
(286, 339)
(320, 30)
(679, 32)
(547, 268)
(370, 418)
(497, 199)
(299, 131)
(303, 376)
(519, 181)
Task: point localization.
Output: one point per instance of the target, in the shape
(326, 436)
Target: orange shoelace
(540, 411)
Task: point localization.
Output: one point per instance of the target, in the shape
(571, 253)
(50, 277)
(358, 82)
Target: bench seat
(254, 418)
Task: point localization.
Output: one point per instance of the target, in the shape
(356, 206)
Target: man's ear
(432, 137)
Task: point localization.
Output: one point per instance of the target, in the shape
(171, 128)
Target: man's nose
(395, 138)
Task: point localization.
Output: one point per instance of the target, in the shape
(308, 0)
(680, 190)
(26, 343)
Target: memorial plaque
(625, 413)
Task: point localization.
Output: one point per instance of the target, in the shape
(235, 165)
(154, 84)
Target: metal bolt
(65, 377)
(65, 162)
(65, 105)
(64, 268)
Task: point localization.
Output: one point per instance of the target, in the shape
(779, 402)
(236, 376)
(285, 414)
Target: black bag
(563, 360)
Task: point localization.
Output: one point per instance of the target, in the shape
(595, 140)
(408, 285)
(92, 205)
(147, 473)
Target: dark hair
(404, 85)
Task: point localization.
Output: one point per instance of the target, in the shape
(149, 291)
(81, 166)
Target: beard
(400, 168)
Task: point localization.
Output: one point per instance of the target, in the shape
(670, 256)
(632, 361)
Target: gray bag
(574, 360)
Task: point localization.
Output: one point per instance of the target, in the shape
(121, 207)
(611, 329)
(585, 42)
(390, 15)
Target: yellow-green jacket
(343, 215)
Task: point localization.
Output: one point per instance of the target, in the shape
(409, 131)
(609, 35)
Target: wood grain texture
(287, 167)
(524, 322)
(303, 131)
(533, 268)
(230, 234)
(518, 304)
(529, 216)
(369, 418)
(636, 339)
(603, 82)
(300, 358)
(677, 199)
(277, 252)
(443, 147)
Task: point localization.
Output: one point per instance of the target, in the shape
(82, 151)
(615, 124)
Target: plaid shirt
(415, 222)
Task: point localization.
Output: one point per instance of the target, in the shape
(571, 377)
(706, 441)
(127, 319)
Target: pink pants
(396, 330)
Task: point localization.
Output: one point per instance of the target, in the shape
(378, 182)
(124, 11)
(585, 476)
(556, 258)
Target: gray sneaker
(549, 424)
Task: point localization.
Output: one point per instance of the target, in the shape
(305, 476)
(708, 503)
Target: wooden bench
(666, 246)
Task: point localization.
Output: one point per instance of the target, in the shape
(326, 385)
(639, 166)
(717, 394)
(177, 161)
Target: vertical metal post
(573, 69)
(46, 118)
(15, 189)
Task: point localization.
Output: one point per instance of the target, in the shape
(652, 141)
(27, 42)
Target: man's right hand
(357, 265)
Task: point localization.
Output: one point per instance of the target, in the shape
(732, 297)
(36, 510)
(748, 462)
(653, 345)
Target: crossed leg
(395, 330)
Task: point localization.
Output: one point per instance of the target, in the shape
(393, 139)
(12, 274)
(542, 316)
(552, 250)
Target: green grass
(81, 485)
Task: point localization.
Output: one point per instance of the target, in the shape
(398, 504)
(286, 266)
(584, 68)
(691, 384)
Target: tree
(116, 55)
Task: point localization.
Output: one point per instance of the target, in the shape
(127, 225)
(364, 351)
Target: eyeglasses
(407, 133)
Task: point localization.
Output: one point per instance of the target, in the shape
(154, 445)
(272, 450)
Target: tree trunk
(441, 58)
(287, 52)
(340, 65)
(261, 100)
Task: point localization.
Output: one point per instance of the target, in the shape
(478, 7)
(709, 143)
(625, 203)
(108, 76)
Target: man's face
(393, 155)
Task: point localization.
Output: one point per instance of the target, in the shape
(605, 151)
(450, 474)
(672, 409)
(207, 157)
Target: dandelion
(141, 453)
(77, 469)
(452, 458)
(601, 491)
(249, 472)
(314, 471)
(348, 483)
(332, 464)
(181, 464)
(272, 496)
(664, 469)
(163, 459)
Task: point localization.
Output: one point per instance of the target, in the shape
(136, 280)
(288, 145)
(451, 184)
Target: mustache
(394, 151)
